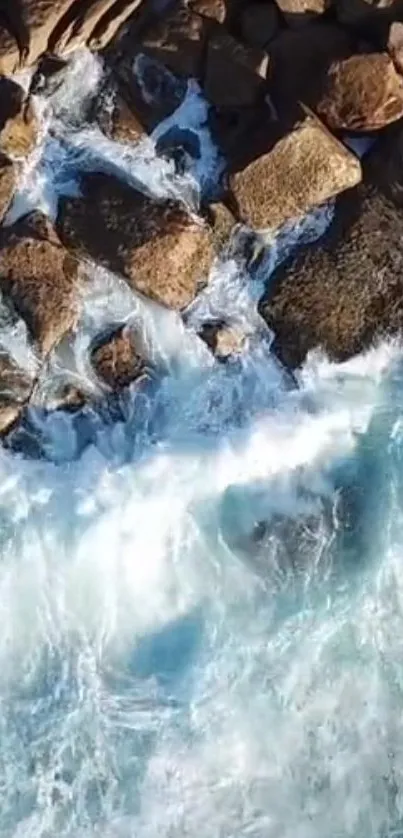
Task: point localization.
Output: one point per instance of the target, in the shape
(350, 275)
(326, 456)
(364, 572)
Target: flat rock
(40, 277)
(156, 246)
(117, 360)
(300, 12)
(18, 122)
(362, 93)
(345, 291)
(178, 41)
(305, 168)
(300, 58)
(8, 180)
(235, 73)
(259, 23)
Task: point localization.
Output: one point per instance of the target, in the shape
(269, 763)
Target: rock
(18, 123)
(40, 277)
(178, 41)
(346, 290)
(152, 92)
(395, 45)
(10, 55)
(90, 20)
(362, 93)
(214, 9)
(300, 12)
(112, 21)
(259, 23)
(222, 223)
(223, 339)
(161, 251)
(15, 389)
(299, 60)
(242, 134)
(8, 180)
(363, 12)
(235, 74)
(49, 75)
(116, 359)
(117, 120)
(305, 168)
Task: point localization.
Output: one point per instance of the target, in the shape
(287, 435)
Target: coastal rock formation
(367, 12)
(117, 360)
(18, 123)
(40, 278)
(259, 23)
(305, 168)
(15, 389)
(300, 12)
(235, 74)
(8, 181)
(155, 245)
(225, 340)
(178, 40)
(362, 93)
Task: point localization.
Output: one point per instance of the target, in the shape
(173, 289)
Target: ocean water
(201, 584)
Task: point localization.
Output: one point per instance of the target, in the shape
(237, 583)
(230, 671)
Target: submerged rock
(346, 290)
(117, 360)
(40, 277)
(305, 168)
(362, 93)
(160, 249)
(224, 339)
(18, 123)
(8, 181)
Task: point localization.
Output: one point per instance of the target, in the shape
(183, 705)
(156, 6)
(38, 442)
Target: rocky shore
(292, 89)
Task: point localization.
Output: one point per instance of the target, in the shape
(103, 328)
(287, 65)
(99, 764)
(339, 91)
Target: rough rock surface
(178, 40)
(299, 12)
(345, 291)
(40, 277)
(214, 9)
(362, 93)
(116, 359)
(222, 223)
(160, 250)
(110, 23)
(15, 390)
(224, 340)
(235, 74)
(395, 45)
(304, 169)
(117, 120)
(18, 123)
(8, 181)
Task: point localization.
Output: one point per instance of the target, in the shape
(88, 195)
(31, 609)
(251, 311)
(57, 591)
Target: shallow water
(201, 590)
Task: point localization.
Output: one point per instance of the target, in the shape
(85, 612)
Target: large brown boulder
(235, 74)
(8, 180)
(111, 22)
(300, 58)
(117, 360)
(346, 290)
(160, 250)
(40, 277)
(178, 40)
(299, 12)
(305, 168)
(94, 21)
(18, 123)
(362, 93)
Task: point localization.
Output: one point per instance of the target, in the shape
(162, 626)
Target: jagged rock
(242, 134)
(300, 12)
(117, 360)
(152, 92)
(299, 60)
(305, 168)
(222, 223)
(10, 55)
(40, 277)
(160, 250)
(117, 120)
(15, 388)
(109, 25)
(49, 74)
(362, 93)
(259, 23)
(224, 340)
(178, 40)
(88, 21)
(214, 9)
(395, 45)
(346, 290)
(18, 123)
(235, 74)
(8, 181)
(359, 12)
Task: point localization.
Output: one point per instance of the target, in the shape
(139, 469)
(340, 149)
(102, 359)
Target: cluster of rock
(286, 81)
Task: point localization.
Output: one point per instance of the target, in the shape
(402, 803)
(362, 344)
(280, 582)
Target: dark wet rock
(62, 396)
(152, 92)
(362, 93)
(214, 9)
(305, 168)
(116, 118)
(18, 123)
(345, 291)
(160, 250)
(117, 360)
(178, 40)
(90, 21)
(110, 24)
(259, 23)
(8, 180)
(301, 12)
(299, 60)
(223, 339)
(49, 75)
(40, 278)
(243, 134)
(367, 12)
(395, 45)
(10, 54)
(235, 73)
(15, 388)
